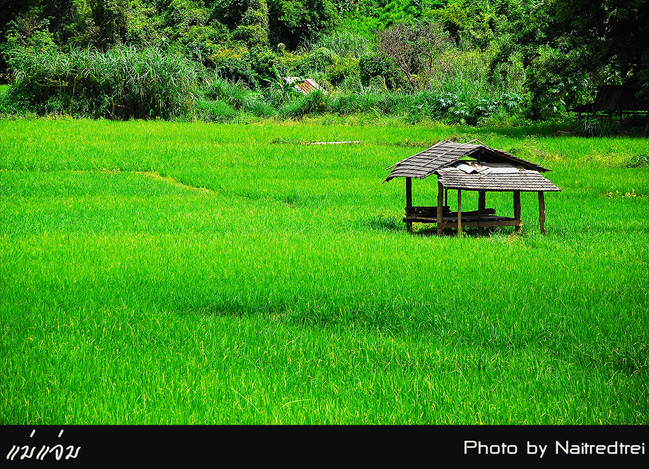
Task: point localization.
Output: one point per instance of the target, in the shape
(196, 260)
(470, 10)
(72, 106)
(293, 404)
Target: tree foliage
(416, 49)
(560, 49)
(570, 46)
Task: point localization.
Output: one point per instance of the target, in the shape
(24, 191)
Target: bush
(450, 107)
(122, 83)
(263, 61)
(314, 62)
(372, 66)
(12, 102)
(238, 70)
(315, 102)
(215, 111)
(434, 106)
(238, 97)
(341, 69)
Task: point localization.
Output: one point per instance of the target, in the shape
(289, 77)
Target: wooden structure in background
(470, 167)
(613, 99)
(304, 85)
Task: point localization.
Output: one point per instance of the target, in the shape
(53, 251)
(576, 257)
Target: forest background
(462, 61)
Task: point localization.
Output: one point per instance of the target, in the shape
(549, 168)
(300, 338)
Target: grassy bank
(156, 272)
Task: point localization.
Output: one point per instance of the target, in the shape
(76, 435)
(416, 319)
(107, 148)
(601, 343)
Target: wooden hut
(470, 167)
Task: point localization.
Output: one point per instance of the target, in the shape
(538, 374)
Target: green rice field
(196, 273)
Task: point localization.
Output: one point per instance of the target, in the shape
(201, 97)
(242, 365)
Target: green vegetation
(488, 60)
(121, 83)
(199, 273)
(174, 250)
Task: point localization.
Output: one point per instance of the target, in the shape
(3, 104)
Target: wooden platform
(474, 219)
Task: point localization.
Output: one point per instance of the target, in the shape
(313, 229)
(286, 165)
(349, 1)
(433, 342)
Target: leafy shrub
(323, 65)
(450, 107)
(511, 102)
(342, 68)
(434, 105)
(12, 101)
(238, 70)
(373, 66)
(313, 62)
(263, 61)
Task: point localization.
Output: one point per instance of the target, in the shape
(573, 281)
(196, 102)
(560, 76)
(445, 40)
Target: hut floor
(471, 219)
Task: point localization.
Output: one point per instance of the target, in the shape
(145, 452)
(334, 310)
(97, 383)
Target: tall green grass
(194, 273)
(121, 83)
(344, 43)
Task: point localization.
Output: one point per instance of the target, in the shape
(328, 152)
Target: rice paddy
(197, 273)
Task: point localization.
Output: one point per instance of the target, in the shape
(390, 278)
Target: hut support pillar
(517, 209)
(542, 212)
(459, 212)
(481, 207)
(440, 212)
(408, 200)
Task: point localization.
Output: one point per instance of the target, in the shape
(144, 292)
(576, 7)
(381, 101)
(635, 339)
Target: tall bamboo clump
(122, 83)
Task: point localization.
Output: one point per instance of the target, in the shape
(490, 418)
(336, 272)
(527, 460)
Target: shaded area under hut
(470, 167)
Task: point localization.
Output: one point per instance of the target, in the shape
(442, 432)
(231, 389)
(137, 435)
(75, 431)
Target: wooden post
(459, 212)
(440, 208)
(517, 209)
(409, 192)
(542, 212)
(408, 200)
(482, 204)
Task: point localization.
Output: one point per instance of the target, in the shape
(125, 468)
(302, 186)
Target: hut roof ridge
(445, 153)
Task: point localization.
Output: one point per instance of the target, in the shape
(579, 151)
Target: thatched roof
(487, 169)
(493, 177)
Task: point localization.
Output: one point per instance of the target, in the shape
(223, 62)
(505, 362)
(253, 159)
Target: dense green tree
(247, 20)
(561, 48)
(229, 12)
(613, 35)
(143, 24)
(294, 22)
(570, 46)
